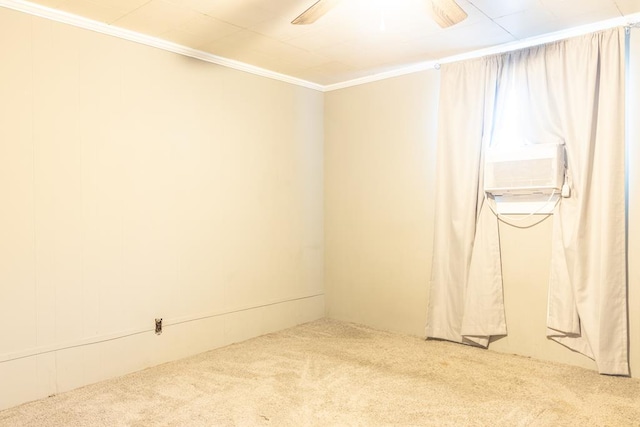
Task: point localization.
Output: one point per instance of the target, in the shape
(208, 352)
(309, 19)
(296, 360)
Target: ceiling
(358, 38)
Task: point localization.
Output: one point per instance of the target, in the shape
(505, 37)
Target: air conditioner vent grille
(526, 170)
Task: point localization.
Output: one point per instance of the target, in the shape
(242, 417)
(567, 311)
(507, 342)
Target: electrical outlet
(158, 326)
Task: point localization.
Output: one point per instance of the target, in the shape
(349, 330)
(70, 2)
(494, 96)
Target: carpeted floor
(328, 373)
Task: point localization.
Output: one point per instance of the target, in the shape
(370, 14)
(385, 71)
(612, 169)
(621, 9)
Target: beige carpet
(328, 373)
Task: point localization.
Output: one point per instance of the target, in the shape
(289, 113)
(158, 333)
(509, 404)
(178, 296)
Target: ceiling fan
(445, 12)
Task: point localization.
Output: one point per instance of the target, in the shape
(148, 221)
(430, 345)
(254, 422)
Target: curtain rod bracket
(630, 25)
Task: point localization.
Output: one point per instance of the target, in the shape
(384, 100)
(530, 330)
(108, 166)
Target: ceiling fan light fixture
(446, 12)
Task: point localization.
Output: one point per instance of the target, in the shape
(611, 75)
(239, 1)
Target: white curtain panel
(466, 299)
(587, 308)
(572, 91)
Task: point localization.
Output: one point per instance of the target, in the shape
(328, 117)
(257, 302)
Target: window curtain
(573, 91)
(466, 299)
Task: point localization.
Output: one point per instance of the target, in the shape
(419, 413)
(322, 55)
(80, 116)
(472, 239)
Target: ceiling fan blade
(447, 12)
(315, 12)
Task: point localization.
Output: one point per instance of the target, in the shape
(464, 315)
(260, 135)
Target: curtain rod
(632, 20)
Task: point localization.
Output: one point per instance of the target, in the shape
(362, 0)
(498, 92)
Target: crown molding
(631, 20)
(88, 24)
(414, 68)
(99, 27)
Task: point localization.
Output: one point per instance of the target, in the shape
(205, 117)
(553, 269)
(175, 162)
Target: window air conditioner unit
(530, 169)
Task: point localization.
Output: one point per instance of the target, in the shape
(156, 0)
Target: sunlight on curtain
(570, 91)
(511, 112)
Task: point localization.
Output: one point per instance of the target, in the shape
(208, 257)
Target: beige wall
(135, 184)
(379, 177)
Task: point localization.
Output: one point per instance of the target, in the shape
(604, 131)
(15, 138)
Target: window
(522, 174)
